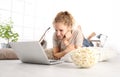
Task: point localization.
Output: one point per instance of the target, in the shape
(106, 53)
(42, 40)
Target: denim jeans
(87, 43)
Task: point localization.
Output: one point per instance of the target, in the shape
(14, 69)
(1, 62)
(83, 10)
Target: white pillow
(102, 54)
(106, 54)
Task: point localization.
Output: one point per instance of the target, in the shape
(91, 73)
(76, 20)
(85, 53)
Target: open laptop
(32, 52)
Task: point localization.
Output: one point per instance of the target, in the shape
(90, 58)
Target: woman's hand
(67, 37)
(66, 42)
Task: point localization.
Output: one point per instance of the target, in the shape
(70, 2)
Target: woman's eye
(61, 30)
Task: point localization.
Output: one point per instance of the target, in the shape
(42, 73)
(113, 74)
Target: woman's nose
(58, 33)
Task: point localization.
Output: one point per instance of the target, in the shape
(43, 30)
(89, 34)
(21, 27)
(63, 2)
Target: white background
(32, 17)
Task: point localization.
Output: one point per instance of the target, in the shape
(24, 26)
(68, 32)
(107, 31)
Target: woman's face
(61, 30)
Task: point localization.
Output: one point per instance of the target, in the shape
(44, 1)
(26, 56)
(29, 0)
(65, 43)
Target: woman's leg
(91, 35)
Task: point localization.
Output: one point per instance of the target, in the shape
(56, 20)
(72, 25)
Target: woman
(65, 38)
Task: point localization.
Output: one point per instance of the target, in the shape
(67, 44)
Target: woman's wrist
(65, 51)
(66, 42)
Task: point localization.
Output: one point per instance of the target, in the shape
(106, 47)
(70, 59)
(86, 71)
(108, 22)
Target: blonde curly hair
(64, 17)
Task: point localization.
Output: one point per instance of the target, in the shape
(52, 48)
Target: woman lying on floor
(65, 38)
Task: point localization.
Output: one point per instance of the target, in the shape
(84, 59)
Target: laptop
(32, 52)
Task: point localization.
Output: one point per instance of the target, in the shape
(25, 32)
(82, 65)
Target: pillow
(7, 54)
(106, 54)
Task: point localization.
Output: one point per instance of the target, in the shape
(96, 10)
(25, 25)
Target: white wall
(32, 17)
(93, 15)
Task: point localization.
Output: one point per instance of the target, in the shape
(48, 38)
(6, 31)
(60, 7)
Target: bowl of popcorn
(84, 57)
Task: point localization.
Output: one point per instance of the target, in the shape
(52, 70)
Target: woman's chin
(60, 38)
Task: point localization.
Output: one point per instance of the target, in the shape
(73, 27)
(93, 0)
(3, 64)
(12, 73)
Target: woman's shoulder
(76, 31)
(54, 36)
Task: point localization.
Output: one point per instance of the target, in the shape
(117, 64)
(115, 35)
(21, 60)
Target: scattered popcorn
(84, 57)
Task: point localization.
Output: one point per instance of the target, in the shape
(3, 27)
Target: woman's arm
(58, 54)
